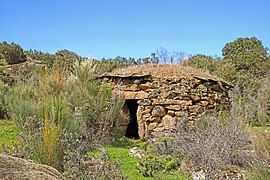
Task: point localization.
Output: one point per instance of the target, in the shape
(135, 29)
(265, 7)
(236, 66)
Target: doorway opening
(132, 128)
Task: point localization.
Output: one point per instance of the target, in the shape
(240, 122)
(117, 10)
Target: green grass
(259, 130)
(8, 134)
(119, 152)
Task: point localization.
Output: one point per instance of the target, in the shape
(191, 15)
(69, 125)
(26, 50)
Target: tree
(164, 56)
(11, 53)
(244, 63)
(66, 59)
(247, 55)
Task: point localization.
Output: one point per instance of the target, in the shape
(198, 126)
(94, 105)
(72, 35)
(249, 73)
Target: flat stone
(136, 95)
(131, 87)
(181, 113)
(195, 98)
(158, 111)
(145, 102)
(195, 108)
(171, 112)
(171, 102)
(145, 86)
(174, 107)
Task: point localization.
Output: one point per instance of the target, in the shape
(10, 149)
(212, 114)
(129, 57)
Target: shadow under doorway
(132, 128)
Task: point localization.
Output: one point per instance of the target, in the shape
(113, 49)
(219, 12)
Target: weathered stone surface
(149, 107)
(146, 111)
(152, 126)
(181, 113)
(204, 103)
(195, 108)
(137, 152)
(154, 119)
(158, 111)
(171, 102)
(141, 128)
(131, 87)
(191, 124)
(174, 107)
(17, 168)
(145, 86)
(195, 98)
(171, 112)
(145, 116)
(168, 122)
(202, 88)
(145, 102)
(135, 95)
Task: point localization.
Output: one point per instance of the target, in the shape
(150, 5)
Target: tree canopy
(11, 53)
(247, 54)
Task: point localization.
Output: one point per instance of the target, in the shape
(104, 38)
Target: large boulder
(17, 168)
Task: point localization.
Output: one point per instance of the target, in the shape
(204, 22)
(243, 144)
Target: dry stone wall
(163, 104)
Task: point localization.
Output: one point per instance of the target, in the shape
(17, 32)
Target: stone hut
(160, 97)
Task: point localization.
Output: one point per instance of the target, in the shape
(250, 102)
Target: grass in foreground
(8, 134)
(119, 152)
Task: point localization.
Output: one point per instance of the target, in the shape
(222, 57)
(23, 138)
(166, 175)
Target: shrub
(77, 165)
(213, 145)
(203, 62)
(158, 157)
(261, 144)
(99, 109)
(20, 103)
(252, 105)
(51, 84)
(11, 53)
(3, 105)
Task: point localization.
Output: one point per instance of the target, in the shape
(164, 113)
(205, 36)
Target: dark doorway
(132, 129)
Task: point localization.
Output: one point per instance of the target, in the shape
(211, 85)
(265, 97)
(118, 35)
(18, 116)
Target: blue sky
(132, 28)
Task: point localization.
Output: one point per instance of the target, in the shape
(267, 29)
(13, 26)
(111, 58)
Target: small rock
(137, 152)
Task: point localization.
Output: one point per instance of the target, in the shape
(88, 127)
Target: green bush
(157, 157)
(11, 53)
(206, 63)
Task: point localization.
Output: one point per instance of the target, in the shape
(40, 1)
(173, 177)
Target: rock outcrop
(17, 168)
